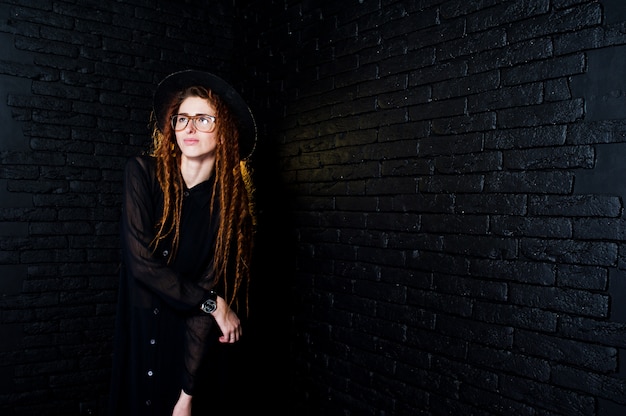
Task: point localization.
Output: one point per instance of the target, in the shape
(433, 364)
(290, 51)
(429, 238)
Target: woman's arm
(183, 405)
(199, 329)
(142, 202)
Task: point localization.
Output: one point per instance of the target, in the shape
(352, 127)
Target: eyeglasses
(203, 122)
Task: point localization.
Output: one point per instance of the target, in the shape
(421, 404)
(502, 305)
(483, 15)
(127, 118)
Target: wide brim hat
(178, 81)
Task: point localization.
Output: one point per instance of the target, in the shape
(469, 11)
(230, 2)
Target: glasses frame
(174, 120)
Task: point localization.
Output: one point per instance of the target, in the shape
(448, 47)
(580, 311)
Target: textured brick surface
(455, 170)
(440, 196)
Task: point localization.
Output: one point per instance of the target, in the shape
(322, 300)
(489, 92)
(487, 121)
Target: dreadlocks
(232, 195)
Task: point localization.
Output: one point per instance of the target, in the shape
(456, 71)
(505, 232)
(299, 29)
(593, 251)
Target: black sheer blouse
(161, 336)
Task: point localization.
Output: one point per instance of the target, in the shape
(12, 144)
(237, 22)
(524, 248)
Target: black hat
(178, 81)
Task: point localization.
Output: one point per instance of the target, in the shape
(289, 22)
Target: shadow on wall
(270, 332)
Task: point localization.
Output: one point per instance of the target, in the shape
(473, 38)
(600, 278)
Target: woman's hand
(228, 321)
(183, 405)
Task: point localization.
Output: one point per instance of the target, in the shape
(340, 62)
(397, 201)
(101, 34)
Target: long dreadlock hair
(233, 190)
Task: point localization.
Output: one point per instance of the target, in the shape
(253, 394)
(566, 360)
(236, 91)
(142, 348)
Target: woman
(187, 233)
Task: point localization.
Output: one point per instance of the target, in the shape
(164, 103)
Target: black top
(161, 336)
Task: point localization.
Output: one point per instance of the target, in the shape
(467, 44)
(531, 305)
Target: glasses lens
(203, 124)
(179, 122)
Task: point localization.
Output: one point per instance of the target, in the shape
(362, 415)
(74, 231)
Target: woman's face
(193, 143)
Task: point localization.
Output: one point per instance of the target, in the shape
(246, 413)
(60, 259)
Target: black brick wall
(440, 188)
(76, 80)
(456, 177)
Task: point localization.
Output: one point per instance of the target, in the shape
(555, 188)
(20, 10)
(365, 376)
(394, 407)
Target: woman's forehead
(196, 105)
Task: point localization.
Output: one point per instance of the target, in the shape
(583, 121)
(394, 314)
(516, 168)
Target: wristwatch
(210, 305)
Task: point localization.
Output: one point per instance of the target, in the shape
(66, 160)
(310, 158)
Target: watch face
(209, 306)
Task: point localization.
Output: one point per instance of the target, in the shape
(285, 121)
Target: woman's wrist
(184, 396)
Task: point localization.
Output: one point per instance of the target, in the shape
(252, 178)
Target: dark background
(440, 188)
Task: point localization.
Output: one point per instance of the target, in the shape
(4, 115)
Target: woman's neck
(196, 171)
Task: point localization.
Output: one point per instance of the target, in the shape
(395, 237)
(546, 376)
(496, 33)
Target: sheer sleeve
(197, 334)
(142, 200)
(200, 331)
